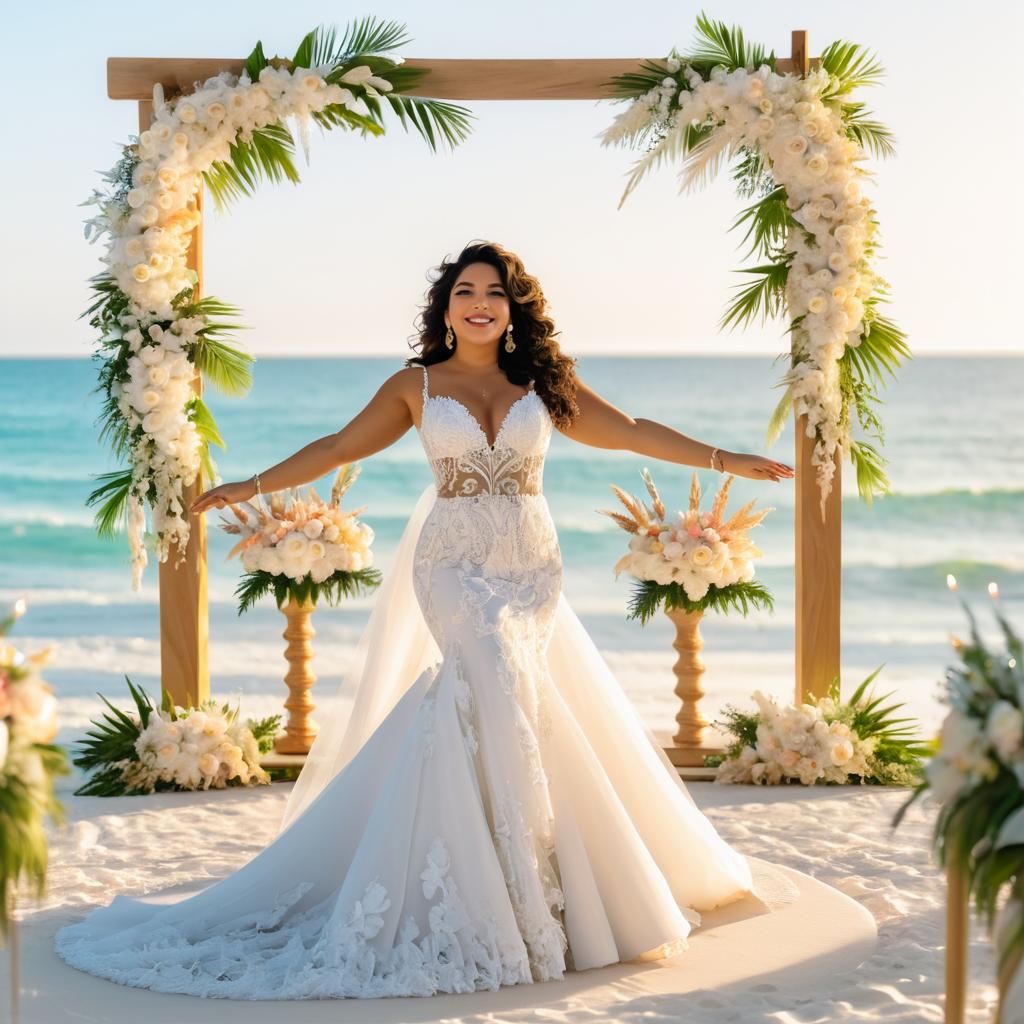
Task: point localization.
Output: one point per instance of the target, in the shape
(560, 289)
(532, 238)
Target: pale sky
(339, 263)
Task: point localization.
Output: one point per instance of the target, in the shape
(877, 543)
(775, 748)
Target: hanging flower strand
(798, 143)
(156, 336)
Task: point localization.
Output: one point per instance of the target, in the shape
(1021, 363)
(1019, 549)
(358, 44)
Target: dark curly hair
(537, 354)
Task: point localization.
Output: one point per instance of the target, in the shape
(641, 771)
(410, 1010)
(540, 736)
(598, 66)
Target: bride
(493, 810)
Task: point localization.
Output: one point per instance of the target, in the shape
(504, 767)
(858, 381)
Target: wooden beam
(184, 602)
(132, 78)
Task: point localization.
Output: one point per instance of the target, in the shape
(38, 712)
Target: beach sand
(166, 846)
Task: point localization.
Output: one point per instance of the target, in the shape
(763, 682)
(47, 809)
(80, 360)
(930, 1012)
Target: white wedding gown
(492, 810)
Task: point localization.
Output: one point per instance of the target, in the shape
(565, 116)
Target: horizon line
(656, 354)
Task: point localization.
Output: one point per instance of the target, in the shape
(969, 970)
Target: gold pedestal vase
(693, 739)
(300, 730)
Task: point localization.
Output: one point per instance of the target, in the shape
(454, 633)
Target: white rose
(1004, 727)
(313, 528)
(293, 546)
(700, 556)
(817, 165)
(151, 355)
(842, 752)
(158, 376)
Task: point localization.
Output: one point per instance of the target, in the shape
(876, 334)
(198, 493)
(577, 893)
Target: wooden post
(184, 603)
(957, 917)
(818, 570)
(818, 540)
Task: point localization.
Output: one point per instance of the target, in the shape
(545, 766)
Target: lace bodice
(465, 463)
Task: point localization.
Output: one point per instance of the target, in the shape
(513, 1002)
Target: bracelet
(720, 459)
(256, 477)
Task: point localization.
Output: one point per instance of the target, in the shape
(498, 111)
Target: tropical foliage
(796, 143)
(159, 341)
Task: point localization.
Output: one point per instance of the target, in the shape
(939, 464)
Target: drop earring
(510, 345)
(449, 338)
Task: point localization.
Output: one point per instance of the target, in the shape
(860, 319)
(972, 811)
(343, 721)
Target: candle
(951, 581)
(993, 591)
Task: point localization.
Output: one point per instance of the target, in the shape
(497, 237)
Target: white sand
(173, 843)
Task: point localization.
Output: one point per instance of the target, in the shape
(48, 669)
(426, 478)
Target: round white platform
(811, 931)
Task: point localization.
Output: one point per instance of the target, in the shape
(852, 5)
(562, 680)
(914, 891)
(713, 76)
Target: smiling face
(478, 294)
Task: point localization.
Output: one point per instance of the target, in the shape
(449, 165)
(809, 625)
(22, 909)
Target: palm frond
(704, 161)
(871, 135)
(765, 296)
(717, 44)
(777, 421)
(648, 596)
(868, 463)
(881, 347)
(632, 84)
(113, 493)
(428, 116)
(768, 222)
(852, 65)
(343, 583)
(365, 36)
(676, 143)
(266, 157)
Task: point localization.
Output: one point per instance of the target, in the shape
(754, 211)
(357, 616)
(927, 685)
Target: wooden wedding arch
(184, 619)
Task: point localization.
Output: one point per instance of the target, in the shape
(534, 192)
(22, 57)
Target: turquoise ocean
(954, 438)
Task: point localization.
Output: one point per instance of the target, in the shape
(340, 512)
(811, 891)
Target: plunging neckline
(476, 422)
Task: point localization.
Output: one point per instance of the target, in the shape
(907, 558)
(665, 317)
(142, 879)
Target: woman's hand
(225, 494)
(756, 467)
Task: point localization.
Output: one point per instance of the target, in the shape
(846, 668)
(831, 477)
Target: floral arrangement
(303, 546)
(799, 142)
(173, 748)
(29, 763)
(976, 777)
(823, 740)
(695, 560)
(156, 336)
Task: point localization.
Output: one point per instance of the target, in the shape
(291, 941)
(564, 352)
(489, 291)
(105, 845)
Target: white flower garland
(808, 152)
(150, 224)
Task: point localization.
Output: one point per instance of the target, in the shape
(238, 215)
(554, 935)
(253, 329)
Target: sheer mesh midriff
(488, 471)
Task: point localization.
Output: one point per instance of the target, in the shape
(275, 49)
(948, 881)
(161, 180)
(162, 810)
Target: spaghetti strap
(425, 382)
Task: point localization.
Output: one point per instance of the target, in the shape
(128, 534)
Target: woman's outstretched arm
(603, 425)
(381, 422)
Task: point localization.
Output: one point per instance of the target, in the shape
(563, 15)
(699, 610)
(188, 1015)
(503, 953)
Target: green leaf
(768, 222)
(648, 596)
(255, 62)
(266, 157)
(719, 45)
(227, 368)
(852, 65)
(206, 425)
(765, 296)
(777, 421)
(113, 494)
(872, 135)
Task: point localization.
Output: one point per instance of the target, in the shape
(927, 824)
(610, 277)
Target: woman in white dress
(492, 811)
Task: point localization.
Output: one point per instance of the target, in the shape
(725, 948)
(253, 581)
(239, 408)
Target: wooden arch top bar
(132, 78)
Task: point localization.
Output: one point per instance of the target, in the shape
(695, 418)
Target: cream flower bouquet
(694, 560)
(822, 740)
(29, 763)
(303, 546)
(172, 748)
